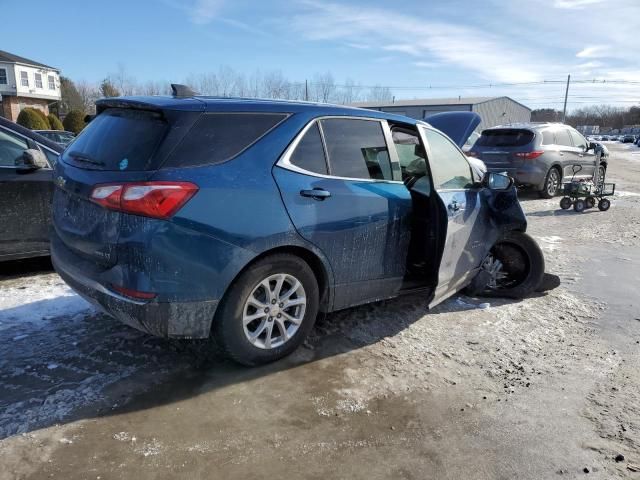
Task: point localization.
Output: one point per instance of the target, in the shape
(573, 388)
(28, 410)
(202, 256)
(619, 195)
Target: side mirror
(592, 146)
(31, 160)
(497, 181)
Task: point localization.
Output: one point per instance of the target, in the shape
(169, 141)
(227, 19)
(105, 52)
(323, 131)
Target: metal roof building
(493, 110)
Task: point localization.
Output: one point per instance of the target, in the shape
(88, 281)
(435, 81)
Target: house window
(3, 76)
(38, 80)
(52, 82)
(24, 79)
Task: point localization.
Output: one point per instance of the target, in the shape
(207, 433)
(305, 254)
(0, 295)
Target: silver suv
(539, 155)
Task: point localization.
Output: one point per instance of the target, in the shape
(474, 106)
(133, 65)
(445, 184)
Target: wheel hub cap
(274, 310)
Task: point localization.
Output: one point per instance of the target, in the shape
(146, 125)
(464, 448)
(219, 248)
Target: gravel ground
(536, 388)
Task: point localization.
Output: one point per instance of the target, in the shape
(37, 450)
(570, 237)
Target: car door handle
(316, 193)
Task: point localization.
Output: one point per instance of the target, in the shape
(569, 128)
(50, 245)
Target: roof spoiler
(182, 91)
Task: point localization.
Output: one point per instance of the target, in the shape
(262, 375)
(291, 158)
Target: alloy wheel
(274, 311)
(553, 182)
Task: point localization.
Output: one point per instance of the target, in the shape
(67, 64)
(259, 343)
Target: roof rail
(181, 91)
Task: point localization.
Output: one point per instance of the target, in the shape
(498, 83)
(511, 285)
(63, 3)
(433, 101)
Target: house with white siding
(26, 83)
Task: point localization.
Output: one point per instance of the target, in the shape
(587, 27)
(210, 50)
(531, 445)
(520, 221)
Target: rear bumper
(530, 175)
(163, 319)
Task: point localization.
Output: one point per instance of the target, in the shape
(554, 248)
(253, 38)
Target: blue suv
(191, 216)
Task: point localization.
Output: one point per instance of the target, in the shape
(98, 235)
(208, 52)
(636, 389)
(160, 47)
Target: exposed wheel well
(316, 265)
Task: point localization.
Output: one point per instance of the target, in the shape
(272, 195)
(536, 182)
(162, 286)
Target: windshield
(117, 139)
(505, 138)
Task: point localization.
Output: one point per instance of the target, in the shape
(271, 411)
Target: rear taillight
(149, 199)
(528, 155)
(131, 293)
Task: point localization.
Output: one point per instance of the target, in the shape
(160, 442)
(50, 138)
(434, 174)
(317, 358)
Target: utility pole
(566, 94)
(306, 90)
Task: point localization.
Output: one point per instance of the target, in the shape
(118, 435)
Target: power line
(593, 81)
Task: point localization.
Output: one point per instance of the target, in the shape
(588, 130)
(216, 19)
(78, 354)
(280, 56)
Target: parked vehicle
(61, 137)
(188, 216)
(628, 139)
(538, 155)
(26, 188)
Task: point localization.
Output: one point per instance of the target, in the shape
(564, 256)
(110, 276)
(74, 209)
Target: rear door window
(309, 154)
(356, 149)
(118, 139)
(562, 137)
(505, 137)
(218, 137)
(548, 137)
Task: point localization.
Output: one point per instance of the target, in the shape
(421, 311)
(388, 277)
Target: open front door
(464, 246)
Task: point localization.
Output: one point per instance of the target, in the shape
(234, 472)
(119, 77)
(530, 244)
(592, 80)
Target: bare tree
(323, 87)
(123, 81)
(89, 93)
(275, 85)
(379, 94)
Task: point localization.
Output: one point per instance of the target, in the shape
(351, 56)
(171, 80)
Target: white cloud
(422, 64)
(408, 48)
(204, 11)
(595, 51)
(575, 4)
(491, 56)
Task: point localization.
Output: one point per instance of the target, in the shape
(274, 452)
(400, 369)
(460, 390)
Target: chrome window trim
(285, 159)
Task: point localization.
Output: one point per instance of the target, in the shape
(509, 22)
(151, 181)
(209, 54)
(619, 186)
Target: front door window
(449, 167)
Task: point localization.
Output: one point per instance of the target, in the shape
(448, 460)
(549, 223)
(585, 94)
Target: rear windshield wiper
(81, 157)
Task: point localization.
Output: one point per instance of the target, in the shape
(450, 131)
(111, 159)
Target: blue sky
(414, 43)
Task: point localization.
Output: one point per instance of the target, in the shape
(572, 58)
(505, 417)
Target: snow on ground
(39, 299)
(58, 355)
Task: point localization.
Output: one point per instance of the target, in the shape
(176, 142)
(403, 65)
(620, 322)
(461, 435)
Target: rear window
(505, 138)
(217, 137)
(118, 139)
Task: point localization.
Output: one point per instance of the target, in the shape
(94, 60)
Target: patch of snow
(38, 299)
(550, 243)
(52, 366)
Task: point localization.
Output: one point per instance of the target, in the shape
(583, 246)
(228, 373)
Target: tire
(551, 183)
(579, 205)
(590, 202)
(229, 330)
(565, 203)
(604, 204)
(522, 262)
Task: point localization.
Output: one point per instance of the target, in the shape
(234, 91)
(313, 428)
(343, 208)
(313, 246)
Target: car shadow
(25, 268)
(88, 365)
(561, 213)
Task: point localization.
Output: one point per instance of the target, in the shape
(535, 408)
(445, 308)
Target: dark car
(61, 137)
(628, 139)
(26, 188)
(538, 155)
(191, 216)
